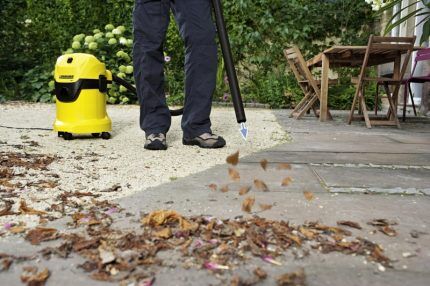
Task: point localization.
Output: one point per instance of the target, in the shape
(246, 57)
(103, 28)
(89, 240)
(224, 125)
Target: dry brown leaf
(161, 217)
(34, 278)
(25, 209)
(260, 273)
(381, 222)
(18, 229)
(233, 159)
(7, 208)
(308, 195)
(286, 181)
(213, 187)
(284, 166)
(234, 174)
(308, 233)
(164, 233)
(388, 230)
(39, 234)
(244, 190)
(294, 238)
(263, 164)
(265, 207)
(260, 185)
(247, 204)
(224, 189)
(349, 223)
(297, 278)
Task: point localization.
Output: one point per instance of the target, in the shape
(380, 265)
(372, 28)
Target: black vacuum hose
(132, 89)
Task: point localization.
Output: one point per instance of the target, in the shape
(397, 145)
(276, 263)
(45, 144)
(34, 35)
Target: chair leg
(412, 100)
(364, 110)
(405, 100)
(376, 98)
(351, 113)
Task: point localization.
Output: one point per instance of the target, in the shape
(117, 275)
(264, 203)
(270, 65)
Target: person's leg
(150, 22)
(194, 18)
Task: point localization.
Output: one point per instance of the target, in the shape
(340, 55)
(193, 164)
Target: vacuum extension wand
(229, 67)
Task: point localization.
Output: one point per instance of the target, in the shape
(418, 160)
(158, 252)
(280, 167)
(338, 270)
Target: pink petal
(111, 211)
(215, 266)
(8, 225)
(271, 260)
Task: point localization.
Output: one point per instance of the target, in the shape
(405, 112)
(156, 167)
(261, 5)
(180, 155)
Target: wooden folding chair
(377, 48)
(307, 83)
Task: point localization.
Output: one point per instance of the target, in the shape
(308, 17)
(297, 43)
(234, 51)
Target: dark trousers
(150, 23)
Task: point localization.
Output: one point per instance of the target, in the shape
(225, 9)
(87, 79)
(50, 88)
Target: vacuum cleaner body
(81, 83)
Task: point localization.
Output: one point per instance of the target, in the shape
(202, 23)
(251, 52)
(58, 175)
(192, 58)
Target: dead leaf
(292, 279)
(294, 238)
(265, 207)
(234, 174)
(308, 195)
(260, 273)
(233, 159)
(20, 228)
(349, 223)
(381, 222)
(244, 190)
(387, 230)
(247, 204)
(23, 208)
(161, 217)
(263, 164)
(224, 189)
(260, 185)
(164, 233)
(283, 166)
(213, 187)
(106, 255)
(286, 181)
(34, 278)
(5, 264)
(39, 234)
(7, 208)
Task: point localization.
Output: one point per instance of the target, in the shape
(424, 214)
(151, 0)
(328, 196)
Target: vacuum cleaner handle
(131, 88)
(228, 61)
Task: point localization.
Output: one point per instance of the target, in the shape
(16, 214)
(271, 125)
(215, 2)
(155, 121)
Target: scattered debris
(263, 164)
(233, 174)
(247, 204)
(286, 181)
(349, 223)
(233, 159)
(283, 166)
(32, 277)
(297, 278)
(309, 196)
(244, 190)
(260, 185)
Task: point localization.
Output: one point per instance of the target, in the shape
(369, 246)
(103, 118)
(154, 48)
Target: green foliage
(396, 20)
(259, 30)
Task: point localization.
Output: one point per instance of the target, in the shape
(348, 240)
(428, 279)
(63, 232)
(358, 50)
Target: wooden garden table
(350, 56)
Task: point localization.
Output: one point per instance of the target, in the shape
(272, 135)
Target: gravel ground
(96, 165)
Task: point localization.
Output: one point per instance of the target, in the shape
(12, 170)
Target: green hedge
(35, 33)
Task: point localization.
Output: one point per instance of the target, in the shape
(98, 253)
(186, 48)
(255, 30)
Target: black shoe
(206, 140)
(156, 142)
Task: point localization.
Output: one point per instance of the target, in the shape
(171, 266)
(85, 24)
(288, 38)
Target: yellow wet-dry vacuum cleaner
(81, 83)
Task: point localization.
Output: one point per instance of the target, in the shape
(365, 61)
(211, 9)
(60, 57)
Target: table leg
(324, 88)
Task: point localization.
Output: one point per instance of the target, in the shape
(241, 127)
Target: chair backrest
(300, 69)
(388, 47)
(422, 55)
